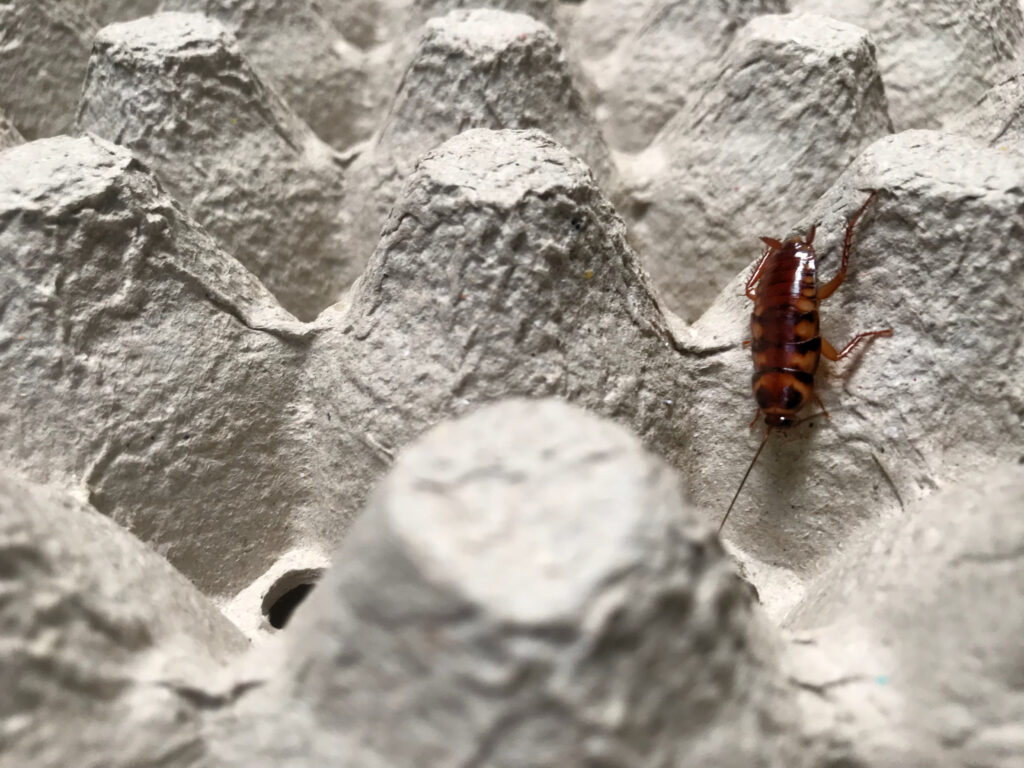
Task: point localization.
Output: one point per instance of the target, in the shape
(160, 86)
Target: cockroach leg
(772, 247)
(829, 288)
(817, 399)
(757, 415)
(830, 352)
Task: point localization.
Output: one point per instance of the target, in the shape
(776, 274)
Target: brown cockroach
(785, 341)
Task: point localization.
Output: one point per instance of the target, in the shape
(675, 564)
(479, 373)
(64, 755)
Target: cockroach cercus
(785, 341)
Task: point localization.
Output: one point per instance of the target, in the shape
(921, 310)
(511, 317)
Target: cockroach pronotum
(785, 341)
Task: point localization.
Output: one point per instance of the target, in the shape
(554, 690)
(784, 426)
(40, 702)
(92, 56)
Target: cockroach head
(778, 421)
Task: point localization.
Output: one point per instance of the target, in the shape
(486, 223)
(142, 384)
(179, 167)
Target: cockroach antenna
(746, 474)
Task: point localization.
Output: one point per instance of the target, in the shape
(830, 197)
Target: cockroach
(785, 341)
